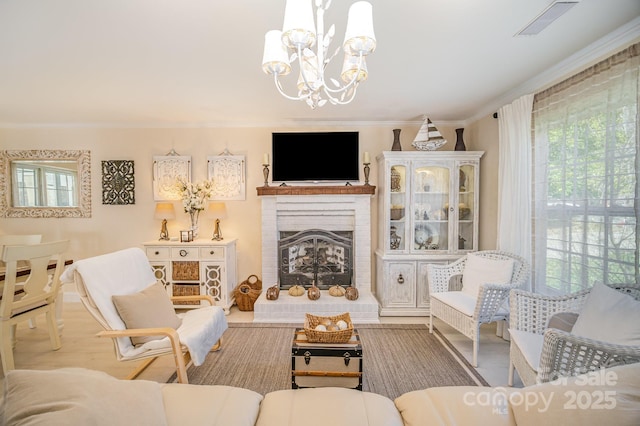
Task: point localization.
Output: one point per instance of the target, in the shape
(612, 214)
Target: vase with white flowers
(194, 197)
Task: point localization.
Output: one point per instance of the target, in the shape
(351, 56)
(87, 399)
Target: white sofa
(75, 396)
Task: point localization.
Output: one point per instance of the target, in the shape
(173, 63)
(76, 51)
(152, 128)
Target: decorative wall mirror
(45, 183)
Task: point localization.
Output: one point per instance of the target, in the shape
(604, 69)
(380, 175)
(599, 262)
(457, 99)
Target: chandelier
(299, 35)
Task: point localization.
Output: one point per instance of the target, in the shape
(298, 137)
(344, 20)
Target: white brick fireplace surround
(329, 211)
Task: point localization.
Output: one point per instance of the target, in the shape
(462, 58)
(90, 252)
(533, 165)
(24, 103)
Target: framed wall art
(166, 169)
(227, 172)
(118, 182)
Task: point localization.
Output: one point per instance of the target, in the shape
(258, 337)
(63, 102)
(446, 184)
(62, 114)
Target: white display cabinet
(428, 213)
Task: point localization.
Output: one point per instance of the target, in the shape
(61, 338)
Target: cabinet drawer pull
(212, 252)
(183, 252)
(157, 253)
(400, 279)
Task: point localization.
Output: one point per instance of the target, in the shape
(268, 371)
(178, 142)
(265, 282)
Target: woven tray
(316, 336)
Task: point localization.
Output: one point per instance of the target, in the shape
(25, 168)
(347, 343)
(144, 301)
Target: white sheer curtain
(514, 177)
(586, 215)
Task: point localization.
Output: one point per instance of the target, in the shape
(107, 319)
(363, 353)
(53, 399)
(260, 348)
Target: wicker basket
(316, 336)
(397, 213)
(245, 297)
(186, 290)
(253, 281)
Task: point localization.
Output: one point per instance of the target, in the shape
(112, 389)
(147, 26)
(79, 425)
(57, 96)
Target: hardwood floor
(81, 348)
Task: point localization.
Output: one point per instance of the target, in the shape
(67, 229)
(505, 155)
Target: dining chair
(40, 291)
(18, 239)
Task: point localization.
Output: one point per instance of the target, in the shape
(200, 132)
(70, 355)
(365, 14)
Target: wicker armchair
(445, 280)
(561, 354)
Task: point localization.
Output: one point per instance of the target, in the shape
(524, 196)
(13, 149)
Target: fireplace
(324, 236)
(315, 256)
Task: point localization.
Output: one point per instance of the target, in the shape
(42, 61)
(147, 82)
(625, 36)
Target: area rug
(397, 358)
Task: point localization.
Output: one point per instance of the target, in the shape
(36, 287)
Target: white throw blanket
(127, 272)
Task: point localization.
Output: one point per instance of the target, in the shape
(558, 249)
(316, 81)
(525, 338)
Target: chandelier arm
(338, 101)
(279, 87)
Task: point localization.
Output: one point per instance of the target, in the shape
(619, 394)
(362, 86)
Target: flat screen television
(315, 157)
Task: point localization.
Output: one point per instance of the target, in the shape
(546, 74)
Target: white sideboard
(198, 267)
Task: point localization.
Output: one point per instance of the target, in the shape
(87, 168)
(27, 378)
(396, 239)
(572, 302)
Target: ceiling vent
(550, 14)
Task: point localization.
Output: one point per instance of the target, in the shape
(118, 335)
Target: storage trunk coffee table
(315, 365)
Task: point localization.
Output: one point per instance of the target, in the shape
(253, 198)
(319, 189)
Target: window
(39, 185)
(586, 208)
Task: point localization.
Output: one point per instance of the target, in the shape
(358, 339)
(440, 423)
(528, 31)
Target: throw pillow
(609, 316)
(77, 396)
(148, 308)
(563, 321)
(480, 270)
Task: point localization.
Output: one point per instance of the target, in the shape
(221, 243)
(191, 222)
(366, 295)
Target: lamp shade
(359, 36)
(350, 68)
(298, 27)
(164, 211)
(275, 59)
(310, 70)
(217, 211)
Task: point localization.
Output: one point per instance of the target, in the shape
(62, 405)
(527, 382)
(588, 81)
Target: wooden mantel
(317, 190)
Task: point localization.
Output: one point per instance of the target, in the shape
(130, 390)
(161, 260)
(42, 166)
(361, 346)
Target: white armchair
(465, 306)
(542, 352)
(121, 292)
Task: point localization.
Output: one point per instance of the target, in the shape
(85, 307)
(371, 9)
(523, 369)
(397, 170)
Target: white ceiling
(198, 62)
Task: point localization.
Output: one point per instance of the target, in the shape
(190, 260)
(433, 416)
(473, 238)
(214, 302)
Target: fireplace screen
(315, 255)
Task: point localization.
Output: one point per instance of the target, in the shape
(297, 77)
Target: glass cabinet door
(398, 203)
(431, 185)
(467, 215)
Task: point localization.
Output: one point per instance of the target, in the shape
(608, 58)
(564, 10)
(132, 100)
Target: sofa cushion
(530, 344)
(327, 406)
(455, 405)
(186, 404)
(605, 397)
(609, 316)
(458, 300)
(77, 396)
(148, 308)
(480, 270)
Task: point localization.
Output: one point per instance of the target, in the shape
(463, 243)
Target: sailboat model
(428, 137)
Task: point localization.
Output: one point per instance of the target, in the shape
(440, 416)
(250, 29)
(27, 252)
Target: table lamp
(164, 211)
(217, 211)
